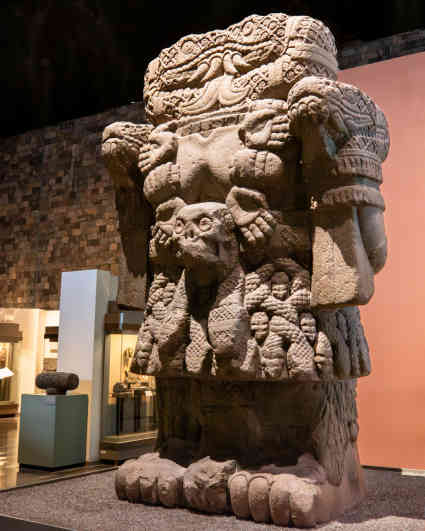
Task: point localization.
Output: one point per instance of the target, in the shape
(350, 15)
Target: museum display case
(50, 354)
(6, 367)
(10, 336)
(130, 402)
(129, 418)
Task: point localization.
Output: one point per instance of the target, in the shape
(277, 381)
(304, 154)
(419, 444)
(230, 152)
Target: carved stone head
(204, 237)
(260, 326)
(280, 285)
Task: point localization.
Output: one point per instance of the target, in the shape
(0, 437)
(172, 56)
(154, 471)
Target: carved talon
(299, 495)
(205, 484)
(150, 479)
(294, 495)
(155, 480)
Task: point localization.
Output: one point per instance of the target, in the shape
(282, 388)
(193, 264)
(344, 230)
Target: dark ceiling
(62, 59)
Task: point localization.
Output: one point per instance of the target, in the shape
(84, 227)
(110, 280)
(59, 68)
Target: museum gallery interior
(209, 296)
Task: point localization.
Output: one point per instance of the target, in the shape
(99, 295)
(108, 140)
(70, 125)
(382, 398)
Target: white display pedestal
(83, 305)
(53, 430)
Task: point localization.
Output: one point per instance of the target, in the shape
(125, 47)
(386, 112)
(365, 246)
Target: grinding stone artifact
(57, 383)
(251, 200)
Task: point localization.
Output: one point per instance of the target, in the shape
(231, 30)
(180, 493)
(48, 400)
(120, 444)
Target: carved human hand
(266, 129)
(280, 134)
(250, 211)
(162, 147)
(165, 216)
(256, 129)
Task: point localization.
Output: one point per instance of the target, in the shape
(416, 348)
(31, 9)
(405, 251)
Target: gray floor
(394, 503)
(12, 476)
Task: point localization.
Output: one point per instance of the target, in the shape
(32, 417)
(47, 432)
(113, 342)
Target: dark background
(61, 59)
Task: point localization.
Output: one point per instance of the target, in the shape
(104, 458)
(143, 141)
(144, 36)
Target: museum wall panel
(57, 209)
(392, 398)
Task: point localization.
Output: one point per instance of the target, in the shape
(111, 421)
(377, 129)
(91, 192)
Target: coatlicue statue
(251, 201)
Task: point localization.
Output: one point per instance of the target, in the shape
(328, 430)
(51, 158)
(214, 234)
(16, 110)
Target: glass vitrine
(50, 359)
(129, 401)
(10, 337)
(6, 370)
(50, 353)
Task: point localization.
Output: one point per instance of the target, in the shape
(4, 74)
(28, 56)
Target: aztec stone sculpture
(251, 200)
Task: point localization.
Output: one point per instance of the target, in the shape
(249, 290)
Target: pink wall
(392, 399)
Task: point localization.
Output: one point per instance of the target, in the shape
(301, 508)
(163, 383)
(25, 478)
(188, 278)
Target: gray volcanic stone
(57, 383)
(253, 198)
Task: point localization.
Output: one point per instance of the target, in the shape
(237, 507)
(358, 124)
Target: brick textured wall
(57, 208)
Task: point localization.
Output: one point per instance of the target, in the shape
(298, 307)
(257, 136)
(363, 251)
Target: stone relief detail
(252, 203)
(256, 325)
(248, 61)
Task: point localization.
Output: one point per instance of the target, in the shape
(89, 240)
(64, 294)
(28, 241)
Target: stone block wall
(382, 49)
(57, 210)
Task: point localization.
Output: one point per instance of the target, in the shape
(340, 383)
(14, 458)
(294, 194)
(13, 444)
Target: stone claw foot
(205, 485)
(299, 495)
(154, 480)
(150, 479)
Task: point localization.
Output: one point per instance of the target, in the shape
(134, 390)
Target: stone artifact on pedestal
(53, 427)
(258, 178)
(57, 383)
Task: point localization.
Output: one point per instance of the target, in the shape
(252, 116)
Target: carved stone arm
(344, 138)
(121, 144)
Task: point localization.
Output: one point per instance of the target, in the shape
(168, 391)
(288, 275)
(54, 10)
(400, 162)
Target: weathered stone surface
(262, 174)
(205, 485)
(94, 41)
(267, 432)
(299, 495)
(57, 383)
(150, 479)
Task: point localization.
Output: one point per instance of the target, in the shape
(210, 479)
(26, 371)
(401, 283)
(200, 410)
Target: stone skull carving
(205, 240)
(257, 180)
